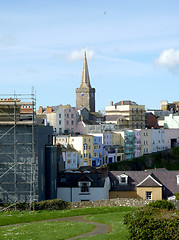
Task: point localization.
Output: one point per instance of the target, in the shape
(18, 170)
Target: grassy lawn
(45, 230)
(119, 231)
(112, 216)
(13, 217)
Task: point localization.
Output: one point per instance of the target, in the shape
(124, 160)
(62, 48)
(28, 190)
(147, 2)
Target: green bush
(22, 206)
(152, 223)
(162, 204)
(55, 204)
(177, 196)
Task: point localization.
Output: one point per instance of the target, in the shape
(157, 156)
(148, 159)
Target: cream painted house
(152, 140)
(154, 184)
(84, 145)
(134, 114)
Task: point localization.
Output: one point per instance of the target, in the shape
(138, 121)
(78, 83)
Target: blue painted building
(97, 159)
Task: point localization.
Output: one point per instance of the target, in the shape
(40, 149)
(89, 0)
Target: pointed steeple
(85, 80)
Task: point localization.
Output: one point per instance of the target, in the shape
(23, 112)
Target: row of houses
(156, 184)
(96, 149)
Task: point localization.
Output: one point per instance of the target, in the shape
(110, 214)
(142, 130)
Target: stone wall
(128, 202)
(112, 202)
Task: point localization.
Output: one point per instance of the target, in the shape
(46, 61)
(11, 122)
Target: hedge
(153, 223)
(55, 204)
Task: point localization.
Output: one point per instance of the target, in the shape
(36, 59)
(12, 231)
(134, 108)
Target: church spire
(85, 80)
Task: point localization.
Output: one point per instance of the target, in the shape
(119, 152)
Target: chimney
(48, 109)
(122, 102)
(111, 103)
(40, 109)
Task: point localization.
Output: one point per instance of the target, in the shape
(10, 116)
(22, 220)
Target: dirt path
(99, 227)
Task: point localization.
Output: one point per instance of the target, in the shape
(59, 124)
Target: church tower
(85, 95)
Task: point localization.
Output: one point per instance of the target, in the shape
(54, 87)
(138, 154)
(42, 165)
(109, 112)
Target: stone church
(85, 94)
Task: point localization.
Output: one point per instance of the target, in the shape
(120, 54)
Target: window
(60, 122)
(84, 187)
(69, 109)
(71, 122)
(85, 155)
(60, 115)
(67, 123)
(72, 115)
(95, 154)
(67, 115)
(85, 140)
(85, 147)
(99, 146)
(149, 195)
(89, 140)
(123, 179)
(69, 161)
(74, 161)
(69, 154)
(89, 147)
(89, 155)
(95, 146)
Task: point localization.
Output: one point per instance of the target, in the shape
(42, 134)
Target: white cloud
(76, 55)
(169, 59)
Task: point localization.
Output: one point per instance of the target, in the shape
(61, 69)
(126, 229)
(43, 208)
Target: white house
(83, 186)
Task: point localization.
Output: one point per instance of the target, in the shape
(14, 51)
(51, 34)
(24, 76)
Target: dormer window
(123, 179)
(177, 179)
(84, 187)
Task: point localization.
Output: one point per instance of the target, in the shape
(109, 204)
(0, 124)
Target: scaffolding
(18, 167)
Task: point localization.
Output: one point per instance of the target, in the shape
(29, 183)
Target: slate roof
(97, 114)
(126, 102)
(71, 179)
(150, 181)
(166, 178)
(90, 122)
(113, 117)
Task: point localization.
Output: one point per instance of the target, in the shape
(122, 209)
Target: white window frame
(148, 195)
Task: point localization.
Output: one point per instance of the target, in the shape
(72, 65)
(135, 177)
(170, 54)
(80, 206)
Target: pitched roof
(97, 114)
(126, 102)
(114, 117)
(162, 176)
(72, 179)
(90, 122)
(150, 181)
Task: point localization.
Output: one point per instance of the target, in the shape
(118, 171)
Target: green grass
(45, 230)
(112, 216)
(119, 230)
(13, 217)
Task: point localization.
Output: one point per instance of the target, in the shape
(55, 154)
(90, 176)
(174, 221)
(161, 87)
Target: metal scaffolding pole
(17, 148)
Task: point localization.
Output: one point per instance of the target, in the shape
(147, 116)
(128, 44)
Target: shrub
(162, 204)
(22, 206)
(177, 196)
(55, 204)
(152, 223)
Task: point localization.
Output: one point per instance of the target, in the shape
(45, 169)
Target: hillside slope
(168, 159)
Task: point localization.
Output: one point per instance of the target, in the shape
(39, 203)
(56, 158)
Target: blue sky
(132, 49)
